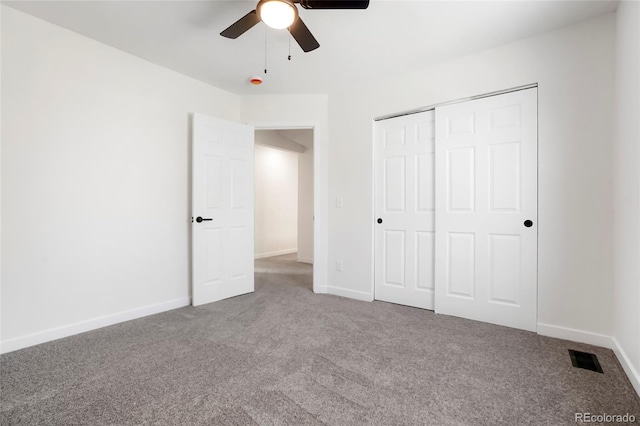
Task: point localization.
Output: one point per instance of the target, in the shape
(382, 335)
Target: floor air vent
(585, 360)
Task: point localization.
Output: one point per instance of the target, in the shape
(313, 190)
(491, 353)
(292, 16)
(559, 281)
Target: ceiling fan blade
(242, 25)
(334, 4)
(303, 36)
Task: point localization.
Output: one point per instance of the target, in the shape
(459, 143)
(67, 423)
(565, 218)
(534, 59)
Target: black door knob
(379, 220)
(202, 219)
(528, 223)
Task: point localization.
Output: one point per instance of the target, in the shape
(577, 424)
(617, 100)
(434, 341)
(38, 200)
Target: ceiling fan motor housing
(279, 14)
(296, 26)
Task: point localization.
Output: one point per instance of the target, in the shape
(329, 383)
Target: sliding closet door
(404, 210)
(486, 209)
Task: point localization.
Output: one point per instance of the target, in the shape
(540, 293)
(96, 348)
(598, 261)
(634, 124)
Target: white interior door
(222, 228)
(404, 208)
(486, 209)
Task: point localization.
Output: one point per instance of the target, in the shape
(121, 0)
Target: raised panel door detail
(504, 268)
(238, 183)
(461, 124)
(394, 184)
(211, 134)
(214, 182)
(394, 258)
(213, 244)
(425, 257)
(222, 178)
(508, 116)
(504, 172)
(404, 191)
(425, 175)
(426, 134)
(238, 251)
(394, 137)
(461, 264)
(461, 179)
(486, 258)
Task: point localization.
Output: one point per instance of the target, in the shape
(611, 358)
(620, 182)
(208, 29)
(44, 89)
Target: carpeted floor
(285, 356)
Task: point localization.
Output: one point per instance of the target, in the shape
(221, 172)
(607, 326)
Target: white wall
(301, 111)
(574, 68)
(276, 200)
(305, 206)
(626, 180)
(301, 142)
(95, 181)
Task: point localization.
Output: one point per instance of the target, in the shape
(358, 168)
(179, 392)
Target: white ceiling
(303, 137)
(294, 140)
(355, 45)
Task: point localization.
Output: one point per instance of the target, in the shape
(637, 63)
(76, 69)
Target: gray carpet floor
(285, 356)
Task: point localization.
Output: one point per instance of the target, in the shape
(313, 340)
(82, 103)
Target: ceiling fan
(282, 14)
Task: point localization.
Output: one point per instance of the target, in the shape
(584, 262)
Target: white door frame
(320, 215)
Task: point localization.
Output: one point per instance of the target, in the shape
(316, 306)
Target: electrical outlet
(339, 265)
(339, 202)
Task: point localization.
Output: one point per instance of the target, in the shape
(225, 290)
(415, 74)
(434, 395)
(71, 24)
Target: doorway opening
(284, 199)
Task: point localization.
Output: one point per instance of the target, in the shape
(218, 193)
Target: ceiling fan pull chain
(289, 57)
(265, 49)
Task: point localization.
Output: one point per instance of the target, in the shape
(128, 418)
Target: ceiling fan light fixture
(277, 14)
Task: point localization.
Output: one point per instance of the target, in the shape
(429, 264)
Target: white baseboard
(275, 253)
(305, 260)
(320, 290)
(352, 294)
(627, 366)
(574, 335)
(88, 325)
